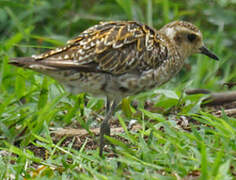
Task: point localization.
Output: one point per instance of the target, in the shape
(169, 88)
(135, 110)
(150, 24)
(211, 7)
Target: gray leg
(108, 105)
(105, 127)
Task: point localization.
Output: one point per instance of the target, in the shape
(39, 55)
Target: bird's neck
(168, 34)
(173, 64)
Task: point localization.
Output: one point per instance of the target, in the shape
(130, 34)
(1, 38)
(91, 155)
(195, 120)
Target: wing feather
(113, 47)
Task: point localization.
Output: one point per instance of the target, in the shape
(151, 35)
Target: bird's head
(187, 38)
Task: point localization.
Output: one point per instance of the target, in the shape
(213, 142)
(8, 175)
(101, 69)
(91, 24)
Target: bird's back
(112, 47)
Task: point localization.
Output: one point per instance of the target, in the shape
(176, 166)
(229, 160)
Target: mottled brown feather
(116, 47)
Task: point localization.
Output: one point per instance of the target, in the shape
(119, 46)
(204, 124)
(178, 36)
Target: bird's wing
(112, 47)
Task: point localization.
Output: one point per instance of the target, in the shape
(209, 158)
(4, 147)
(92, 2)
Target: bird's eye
(192, 37)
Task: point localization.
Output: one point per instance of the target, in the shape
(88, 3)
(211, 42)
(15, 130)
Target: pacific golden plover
(118, 59)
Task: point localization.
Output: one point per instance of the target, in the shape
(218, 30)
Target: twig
(215, 98)
(197, 91)
(83, 132)
(228, 112)
(221, 98)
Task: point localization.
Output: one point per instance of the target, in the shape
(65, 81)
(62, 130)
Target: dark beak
(205, 51)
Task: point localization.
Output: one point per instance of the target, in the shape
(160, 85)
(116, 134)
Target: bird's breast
(131, 84)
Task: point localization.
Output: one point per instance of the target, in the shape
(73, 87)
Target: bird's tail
(52, 64)
(30, 63)
(22, 61)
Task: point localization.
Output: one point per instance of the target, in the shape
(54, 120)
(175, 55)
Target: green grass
(31, 103)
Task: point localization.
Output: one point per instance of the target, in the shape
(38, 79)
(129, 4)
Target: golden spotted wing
(113, 47)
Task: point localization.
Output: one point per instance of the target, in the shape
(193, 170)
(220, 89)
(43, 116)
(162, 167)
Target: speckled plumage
(118, 59)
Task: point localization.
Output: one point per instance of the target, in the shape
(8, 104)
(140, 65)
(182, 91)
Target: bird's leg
(108, 105)
(105, 127)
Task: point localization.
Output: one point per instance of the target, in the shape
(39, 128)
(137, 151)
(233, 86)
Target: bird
(116, 59)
